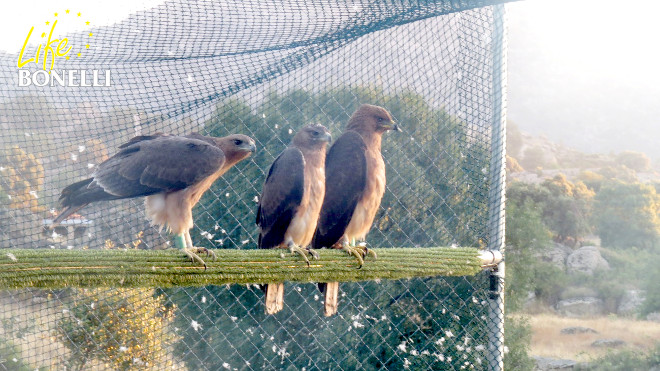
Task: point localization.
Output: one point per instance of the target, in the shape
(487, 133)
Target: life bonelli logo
(52, 48)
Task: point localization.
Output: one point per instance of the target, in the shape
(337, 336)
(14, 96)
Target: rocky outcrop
(631, 301)
(608, 343)
(581, 307)
(577, 330)
(655, 317)
(544, 363)
(556, 254)
(586, 259)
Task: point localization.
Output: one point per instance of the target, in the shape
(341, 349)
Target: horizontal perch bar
(20, 268)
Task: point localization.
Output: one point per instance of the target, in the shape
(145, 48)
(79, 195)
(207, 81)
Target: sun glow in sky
(598, 38)
(586, 73)
(16, 17)
(562, 53)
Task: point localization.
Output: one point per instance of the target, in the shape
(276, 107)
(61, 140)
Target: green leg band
(180, 241)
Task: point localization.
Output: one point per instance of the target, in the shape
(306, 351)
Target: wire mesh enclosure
(264, 69)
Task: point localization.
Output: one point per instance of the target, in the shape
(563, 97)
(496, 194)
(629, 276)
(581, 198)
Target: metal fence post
(496, 196)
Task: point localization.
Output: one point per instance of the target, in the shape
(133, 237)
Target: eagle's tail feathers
(274, 297)
(65, 214)
(331, 295)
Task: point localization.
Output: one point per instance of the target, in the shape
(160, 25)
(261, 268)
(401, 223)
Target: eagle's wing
(345, 181)
(281, 196)
(141, 138)
(156, 164)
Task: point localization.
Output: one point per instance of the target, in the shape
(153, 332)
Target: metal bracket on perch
(490, 258)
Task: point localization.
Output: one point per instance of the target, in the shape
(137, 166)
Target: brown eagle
(171, 171)
(291, 200)
(355, 184)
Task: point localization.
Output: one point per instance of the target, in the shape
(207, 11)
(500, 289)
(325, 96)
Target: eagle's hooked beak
(327, 138)
(250, 147)
(392, 126)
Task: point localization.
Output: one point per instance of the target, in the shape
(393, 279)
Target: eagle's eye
(380, 119)
(315, 133)
(238, 142)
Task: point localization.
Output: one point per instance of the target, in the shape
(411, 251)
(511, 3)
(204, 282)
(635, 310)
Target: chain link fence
(264, 69)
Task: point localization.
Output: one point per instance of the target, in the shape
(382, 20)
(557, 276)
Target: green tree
(526, 236)
(619, 173)
(565, 207)
(11, 358)
(437, 171)
(22, 179)
(650, 284)
(628, 359)
(568, 210)
(126, 328)
(436, 181)
(512, 165)
(636, 161)
(626, 215)
(591, 179)
(518, 340)
(432, 323)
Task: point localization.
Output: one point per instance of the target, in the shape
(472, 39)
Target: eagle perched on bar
(291, 200)
(171, 171)
(355, 184)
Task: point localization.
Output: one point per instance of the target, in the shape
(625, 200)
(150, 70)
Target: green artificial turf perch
(54, 269)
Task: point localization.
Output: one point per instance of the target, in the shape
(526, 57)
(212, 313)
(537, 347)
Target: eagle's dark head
(313, 136)
(236, 147)
(372, 119)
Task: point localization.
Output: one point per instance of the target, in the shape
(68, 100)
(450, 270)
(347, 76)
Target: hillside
(582, 229)
(541, 158)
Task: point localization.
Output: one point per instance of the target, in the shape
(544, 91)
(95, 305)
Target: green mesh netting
(261, 68)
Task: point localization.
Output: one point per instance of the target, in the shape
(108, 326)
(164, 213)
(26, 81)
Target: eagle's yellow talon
(295, 249)
(194, 257)
(315, 255)
(353, 251)
(208, 252)
(365, 251)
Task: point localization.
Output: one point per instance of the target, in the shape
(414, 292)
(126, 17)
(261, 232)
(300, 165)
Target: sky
(15, 22)
(584, 73)
(590, 38)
